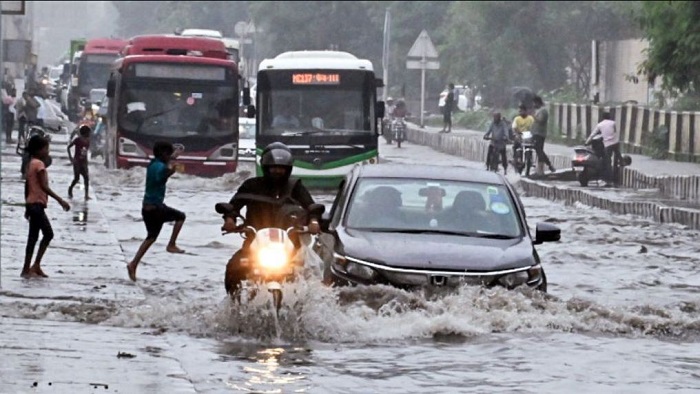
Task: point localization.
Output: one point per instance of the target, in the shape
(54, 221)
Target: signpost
(423, 56)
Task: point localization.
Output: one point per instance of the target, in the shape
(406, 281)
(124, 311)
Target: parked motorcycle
(525, 153)
(398, 129)
(273, 254)
(587, 161)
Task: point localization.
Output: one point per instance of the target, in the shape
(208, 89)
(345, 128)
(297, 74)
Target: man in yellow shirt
(522, 122)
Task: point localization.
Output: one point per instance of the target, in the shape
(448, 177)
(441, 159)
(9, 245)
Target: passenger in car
(467, 213)
(381, 208)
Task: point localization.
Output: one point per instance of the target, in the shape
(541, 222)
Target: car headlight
(225, 152)
(128, 147)
(272, 257)
(514, 280)
(360, 271)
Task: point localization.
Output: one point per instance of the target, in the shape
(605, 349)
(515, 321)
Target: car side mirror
(250, 111)
(546, 232)
(380, 110)
(325, 221)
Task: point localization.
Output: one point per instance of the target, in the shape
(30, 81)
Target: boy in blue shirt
(154, 212)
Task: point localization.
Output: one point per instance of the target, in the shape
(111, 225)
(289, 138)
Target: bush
(656, 143)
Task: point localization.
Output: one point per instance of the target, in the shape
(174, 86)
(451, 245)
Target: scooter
(524, 154)
(587, 161)
(272, 257)
(398, 129)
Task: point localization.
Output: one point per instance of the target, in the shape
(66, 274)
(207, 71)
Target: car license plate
(179, 167)
(578, 168)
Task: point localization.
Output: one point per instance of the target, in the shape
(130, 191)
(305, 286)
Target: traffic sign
(423, 47)
(417, 65)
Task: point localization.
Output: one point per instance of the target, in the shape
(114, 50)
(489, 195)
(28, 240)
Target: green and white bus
(323, 105)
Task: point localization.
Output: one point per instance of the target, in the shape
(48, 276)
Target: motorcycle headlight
(272, 257)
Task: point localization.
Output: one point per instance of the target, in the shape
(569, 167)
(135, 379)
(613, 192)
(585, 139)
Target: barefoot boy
(37, 192)
(80, 160)
(154, 212)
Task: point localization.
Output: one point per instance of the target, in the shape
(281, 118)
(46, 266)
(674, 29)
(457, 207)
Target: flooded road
(622, 313)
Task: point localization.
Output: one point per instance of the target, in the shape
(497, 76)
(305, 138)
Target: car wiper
(301, 132)
(445, 232)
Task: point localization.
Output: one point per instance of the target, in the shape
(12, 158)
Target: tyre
(528, 163)
(583, 178)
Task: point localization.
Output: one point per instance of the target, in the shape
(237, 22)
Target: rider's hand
(314, 227)
(229, 225)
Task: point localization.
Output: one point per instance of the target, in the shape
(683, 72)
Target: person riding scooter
(267, 199)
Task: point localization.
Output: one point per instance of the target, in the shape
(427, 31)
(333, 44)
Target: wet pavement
(622, 314)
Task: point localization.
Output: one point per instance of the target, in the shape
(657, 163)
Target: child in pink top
(37, 192)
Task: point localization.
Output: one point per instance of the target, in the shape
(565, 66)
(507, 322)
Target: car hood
(437, 251)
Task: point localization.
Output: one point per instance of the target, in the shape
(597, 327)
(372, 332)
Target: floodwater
(622, 313)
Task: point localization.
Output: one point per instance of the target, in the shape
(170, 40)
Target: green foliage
(655, 143)
(472, 120)
(674, 43)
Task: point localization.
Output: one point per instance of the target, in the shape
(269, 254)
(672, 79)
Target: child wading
(80, 160)
(154, 212)
(36, 192)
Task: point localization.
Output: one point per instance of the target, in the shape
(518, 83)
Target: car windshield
(94, 71)
(246, 131)
(178, 108)
(318, 103)
(428, 206)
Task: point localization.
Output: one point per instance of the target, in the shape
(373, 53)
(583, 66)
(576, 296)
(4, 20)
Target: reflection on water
(80, 217)
(268, 369)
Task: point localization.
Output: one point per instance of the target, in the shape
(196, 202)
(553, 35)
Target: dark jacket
(262, 214)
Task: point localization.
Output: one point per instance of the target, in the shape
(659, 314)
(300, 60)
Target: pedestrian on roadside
(80, 160)
(539, 134)
(8, 117)
(447, 109)
(611, 141)
(36, 192)
(154, 211)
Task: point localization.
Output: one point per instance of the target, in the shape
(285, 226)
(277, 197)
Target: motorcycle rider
(266, 199)
(611, 140)
(500, 133)
(522, 122)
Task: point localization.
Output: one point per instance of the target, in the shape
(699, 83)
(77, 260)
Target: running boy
(154, 212)
(36, 193)
(80, 160)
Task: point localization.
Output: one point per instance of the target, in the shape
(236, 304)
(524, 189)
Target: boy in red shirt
(80, 160)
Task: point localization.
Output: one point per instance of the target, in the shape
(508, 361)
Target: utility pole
(7, 8)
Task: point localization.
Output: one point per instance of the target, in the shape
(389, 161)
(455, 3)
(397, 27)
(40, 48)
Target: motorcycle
(398, 129)
(272, 256)
(524, 154)
(587, 161)
(493, 158)
(97, 140)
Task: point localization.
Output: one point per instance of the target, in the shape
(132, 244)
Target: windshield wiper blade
(445, 232)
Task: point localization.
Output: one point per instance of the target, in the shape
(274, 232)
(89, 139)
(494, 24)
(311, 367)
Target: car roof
(422, 171)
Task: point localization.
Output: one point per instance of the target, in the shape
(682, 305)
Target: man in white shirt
(607, 129)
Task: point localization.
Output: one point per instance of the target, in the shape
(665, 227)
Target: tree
(674, 44)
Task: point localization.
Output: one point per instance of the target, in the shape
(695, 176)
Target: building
(614, 77)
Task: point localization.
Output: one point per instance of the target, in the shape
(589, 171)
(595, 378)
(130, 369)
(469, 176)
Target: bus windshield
(335, 102)
(178, 108)
(94, 72)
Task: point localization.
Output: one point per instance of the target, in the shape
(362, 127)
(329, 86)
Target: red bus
(181, 90)
(93, 69)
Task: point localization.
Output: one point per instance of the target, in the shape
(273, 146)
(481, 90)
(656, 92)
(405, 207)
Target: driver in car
(266, 199)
